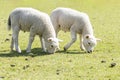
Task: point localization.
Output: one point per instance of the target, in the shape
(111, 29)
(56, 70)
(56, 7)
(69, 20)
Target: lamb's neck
(88, 30)
(48, 33)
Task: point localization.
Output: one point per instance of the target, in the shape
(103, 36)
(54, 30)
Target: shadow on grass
(35, 52)
(71, 52)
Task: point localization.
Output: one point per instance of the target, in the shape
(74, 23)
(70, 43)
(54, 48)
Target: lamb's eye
(51, 46)
(88, 43)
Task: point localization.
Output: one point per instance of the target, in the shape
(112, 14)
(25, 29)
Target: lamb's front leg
(31, 39)
(81, 43)
(74, 37)
(42, 43)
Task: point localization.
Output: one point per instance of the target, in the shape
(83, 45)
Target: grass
(73, 64)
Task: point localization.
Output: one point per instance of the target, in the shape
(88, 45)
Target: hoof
(28, 51)
(65, 49)
(19, 51)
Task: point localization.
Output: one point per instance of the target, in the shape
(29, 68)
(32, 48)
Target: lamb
(76, 22)
(35, 22)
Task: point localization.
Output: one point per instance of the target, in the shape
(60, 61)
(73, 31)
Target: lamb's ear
(50, 39)
(98, 40)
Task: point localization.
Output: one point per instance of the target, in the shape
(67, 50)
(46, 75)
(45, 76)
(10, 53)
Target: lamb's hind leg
(73, 36)
(15, 39)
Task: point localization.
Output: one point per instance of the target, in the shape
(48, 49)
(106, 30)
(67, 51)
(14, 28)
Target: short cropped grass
(74, 64)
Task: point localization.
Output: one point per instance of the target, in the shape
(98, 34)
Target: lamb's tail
(9, 23)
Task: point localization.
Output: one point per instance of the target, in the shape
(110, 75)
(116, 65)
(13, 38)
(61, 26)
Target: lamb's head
(52, 45)
(89, 42)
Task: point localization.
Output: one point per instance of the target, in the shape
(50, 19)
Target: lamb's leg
(31, 39)
(73, 36)
(81, 43)
(15, 39)
(42, 43)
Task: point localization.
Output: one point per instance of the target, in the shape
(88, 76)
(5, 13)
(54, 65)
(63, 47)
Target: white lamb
(38, 23)
(67, 19)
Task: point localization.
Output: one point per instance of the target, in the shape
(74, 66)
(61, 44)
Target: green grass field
(73, 64)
